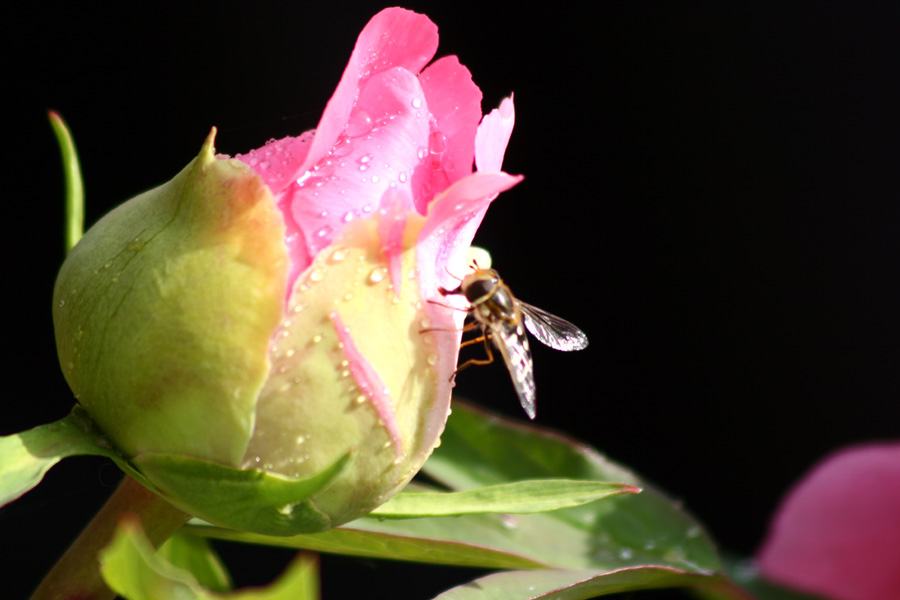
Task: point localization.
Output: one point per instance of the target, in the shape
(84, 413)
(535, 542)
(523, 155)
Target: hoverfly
(501, 317)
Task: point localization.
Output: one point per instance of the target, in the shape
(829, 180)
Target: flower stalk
(77, 573)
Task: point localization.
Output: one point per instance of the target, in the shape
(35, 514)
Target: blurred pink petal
(837, 534)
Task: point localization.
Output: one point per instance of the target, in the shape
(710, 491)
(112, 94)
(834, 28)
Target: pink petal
(394, 210)
(395, 37)
(838, 532)
(453, 218)
(455, 103)
(350, 182)
(369, 382)
(278, 160)
(493, 136)
(441, 248)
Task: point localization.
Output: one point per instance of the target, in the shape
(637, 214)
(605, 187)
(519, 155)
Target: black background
(711, 194)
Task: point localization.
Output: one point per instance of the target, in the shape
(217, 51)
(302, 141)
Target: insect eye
(479, 289)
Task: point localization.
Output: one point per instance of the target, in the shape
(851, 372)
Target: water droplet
(417, 103)
(422, 152)
(299, 307)
(387, 444)
(62, 303)
(316, 339)
(345, 373)
(365, 159)
(348, 297)
(375, 179)
(342, 147)
(626, 553)
(359, 124)
(286, 510)
(437, 143)
(289, 353)
(376, 275)
(367, 208)
(324, 231)
(347, 217)
(316, 274)
(300, 439)
(402, 177)
(338, 255)
(360, 398)
(432, 359)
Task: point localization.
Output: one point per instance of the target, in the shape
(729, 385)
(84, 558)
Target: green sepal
(245, 499)
(521, 497)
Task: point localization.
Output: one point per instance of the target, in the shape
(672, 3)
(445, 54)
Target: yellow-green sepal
(164, 309)
(244, 499)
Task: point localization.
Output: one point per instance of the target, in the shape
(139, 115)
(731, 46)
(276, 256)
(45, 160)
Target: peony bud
(259, 319)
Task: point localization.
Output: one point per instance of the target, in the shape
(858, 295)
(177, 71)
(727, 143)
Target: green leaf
(26, 457)
(622, 532)
(250, 499)
(629, 530)
(194, 554)
(582, 584)
(536, 495)
(73, 180)
(133, 570)
(386, 545)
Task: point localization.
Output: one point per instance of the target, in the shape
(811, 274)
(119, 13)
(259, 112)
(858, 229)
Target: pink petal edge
(493, 136)
(395, 37)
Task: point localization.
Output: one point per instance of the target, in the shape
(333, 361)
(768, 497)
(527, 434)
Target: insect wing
(513, 345)
(551, 330)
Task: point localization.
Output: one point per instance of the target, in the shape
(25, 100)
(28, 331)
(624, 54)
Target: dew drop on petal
(417, 103)
(432, 359)
(422, 152)
(359, 124)
(375, 178)
(376, 275)
(324, 231)
(437, 142)
(338, 255)
(348, 216)
(316, 339)
(316, 274)
(342, 147)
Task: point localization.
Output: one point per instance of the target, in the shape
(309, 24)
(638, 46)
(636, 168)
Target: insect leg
(477, 361)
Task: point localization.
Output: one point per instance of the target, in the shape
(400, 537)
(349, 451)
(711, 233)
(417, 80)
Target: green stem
(77, 574)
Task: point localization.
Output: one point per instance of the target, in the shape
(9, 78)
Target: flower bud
(267, 322)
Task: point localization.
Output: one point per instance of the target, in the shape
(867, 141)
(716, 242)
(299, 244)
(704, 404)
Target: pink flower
(268, 312)
(837, 534)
